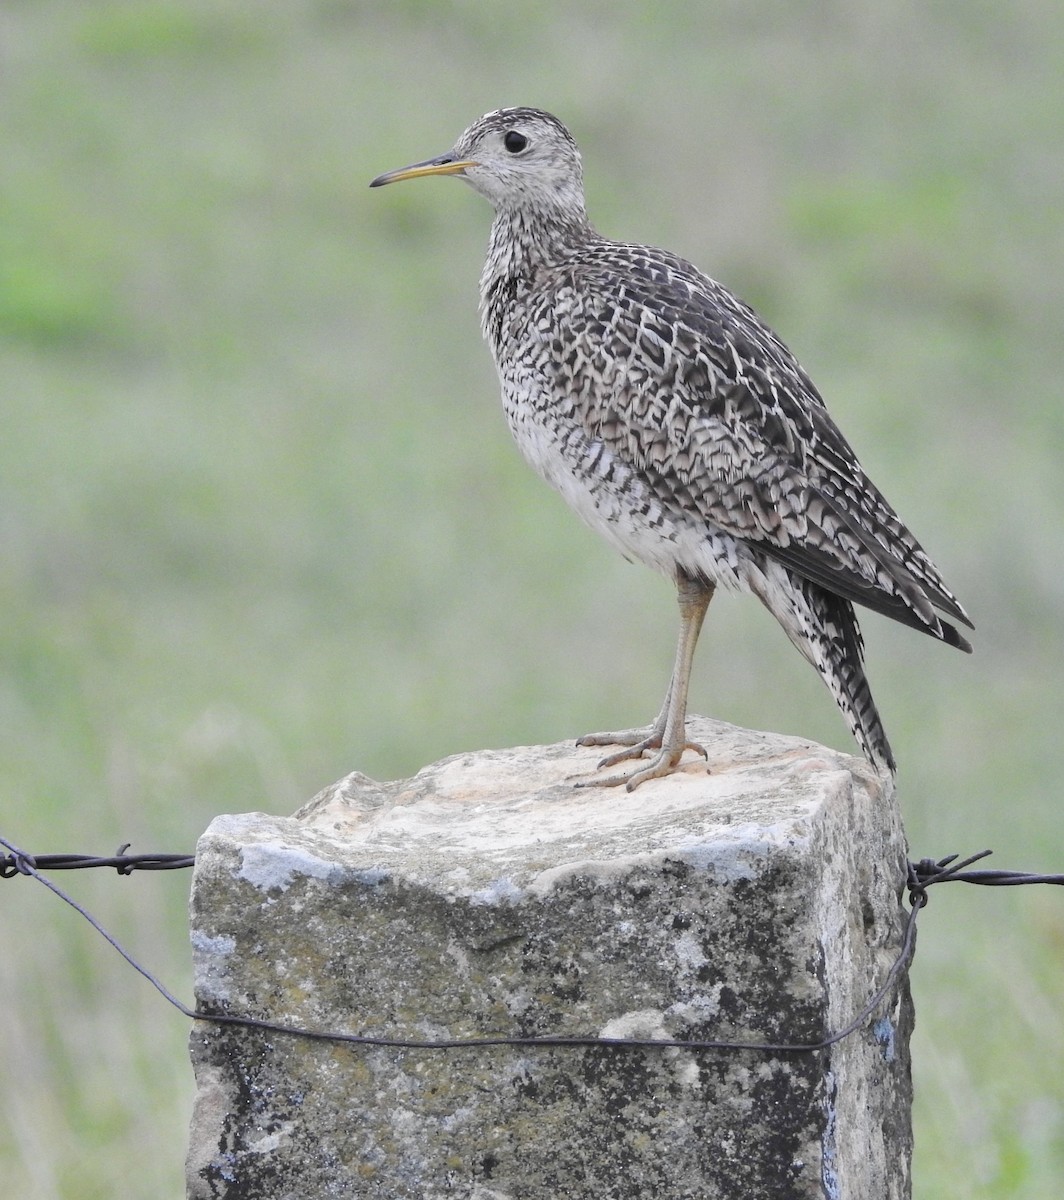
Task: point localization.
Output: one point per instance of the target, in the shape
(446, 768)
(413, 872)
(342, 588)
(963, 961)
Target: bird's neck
(524, 242)
(523, 248)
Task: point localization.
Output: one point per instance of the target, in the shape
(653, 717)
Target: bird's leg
(668, 733)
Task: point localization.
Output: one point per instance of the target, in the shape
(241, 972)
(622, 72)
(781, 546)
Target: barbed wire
(920, 874)
(123, 863)
(920, 877)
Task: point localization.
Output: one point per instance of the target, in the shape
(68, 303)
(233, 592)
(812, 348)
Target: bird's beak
(445, 164)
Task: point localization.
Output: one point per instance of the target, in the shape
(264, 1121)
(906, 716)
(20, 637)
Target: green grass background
(261, 522)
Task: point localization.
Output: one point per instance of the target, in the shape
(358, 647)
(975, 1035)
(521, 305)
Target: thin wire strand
(921, 876)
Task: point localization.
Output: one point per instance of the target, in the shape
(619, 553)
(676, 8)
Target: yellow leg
(668, 733)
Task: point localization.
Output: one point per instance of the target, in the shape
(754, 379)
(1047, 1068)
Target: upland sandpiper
(681, 428)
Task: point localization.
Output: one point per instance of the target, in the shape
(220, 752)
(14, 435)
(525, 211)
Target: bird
(682, 429)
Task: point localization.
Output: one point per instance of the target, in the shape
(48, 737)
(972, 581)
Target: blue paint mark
(372, 876)
(500, 892)
(829, 1174)
(884, 1034)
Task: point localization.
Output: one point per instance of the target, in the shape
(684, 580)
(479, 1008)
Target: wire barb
(920, 877)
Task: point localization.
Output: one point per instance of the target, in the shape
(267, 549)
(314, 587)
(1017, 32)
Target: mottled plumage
(680, 427)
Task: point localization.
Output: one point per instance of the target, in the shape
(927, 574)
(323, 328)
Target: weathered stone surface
(486, 895)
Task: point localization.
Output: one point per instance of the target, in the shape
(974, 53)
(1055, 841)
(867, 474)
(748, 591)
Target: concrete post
(758, 901)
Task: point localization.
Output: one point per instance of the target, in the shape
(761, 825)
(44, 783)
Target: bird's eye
(515, 142)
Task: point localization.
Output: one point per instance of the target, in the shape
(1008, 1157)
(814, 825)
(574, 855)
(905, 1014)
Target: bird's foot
(636, 744)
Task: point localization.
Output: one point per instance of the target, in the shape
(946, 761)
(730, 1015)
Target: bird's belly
(610, 496)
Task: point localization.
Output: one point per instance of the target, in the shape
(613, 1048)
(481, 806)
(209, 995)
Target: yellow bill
(444, 164)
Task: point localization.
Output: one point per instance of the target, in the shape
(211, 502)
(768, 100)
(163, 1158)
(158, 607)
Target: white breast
(609, 495)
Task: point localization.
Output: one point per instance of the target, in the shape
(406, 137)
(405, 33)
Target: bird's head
(518, 158)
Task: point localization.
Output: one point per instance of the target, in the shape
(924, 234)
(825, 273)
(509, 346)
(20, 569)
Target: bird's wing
(685, 382)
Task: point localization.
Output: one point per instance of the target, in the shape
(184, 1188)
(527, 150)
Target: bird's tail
(824, 628)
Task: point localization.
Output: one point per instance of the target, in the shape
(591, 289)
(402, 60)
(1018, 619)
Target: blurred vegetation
(261, 522)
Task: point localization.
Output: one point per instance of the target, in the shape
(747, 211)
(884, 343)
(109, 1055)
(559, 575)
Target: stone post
(758, 900)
